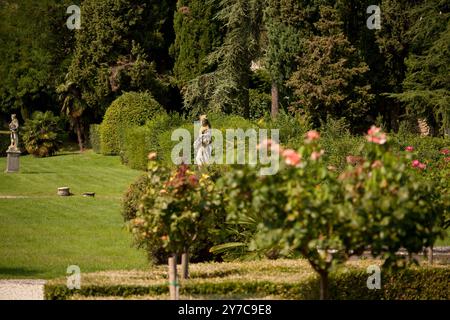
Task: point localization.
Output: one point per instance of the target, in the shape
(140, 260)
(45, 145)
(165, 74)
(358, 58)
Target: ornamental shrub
(42, 134)
(176, 213)
(130, 109)
(94, 137)
(307, 208)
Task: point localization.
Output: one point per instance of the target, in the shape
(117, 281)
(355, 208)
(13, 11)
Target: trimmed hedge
(94, 137)
(156, 135)
(409, 284)
(130, 109)
(139, 141)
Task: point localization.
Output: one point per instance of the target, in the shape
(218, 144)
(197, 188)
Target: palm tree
(73, 107)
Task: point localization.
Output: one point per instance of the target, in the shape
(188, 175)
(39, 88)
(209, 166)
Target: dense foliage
(131, 108)
(42, 134)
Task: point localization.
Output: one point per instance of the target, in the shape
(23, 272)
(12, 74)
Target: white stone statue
(202, 145)
(14, 127)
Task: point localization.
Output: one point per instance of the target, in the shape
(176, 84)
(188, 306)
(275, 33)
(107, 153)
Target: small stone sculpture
(14, 127)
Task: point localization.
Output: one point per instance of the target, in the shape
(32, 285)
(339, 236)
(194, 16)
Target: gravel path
(22, 289)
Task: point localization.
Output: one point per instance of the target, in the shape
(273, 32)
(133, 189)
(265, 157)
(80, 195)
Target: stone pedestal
(12, 163)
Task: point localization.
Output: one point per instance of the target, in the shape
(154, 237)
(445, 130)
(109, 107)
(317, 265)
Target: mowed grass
(41, 234)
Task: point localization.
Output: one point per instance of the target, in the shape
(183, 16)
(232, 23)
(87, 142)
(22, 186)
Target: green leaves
(41, 134)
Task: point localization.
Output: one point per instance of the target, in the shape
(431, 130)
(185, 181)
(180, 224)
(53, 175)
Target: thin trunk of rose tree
(430, 254)
(323, 285)
(173, 281)
(185, 265)
(275, 100)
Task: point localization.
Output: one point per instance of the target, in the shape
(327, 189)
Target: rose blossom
(375, 135)
(445, 151)
(269, 143)
(312, 135)
(415, 163)
(409, 148)
(291, 157)
(315, 155)
(422, 166)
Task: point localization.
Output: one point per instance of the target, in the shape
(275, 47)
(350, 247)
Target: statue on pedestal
(14, 127)
(13, 152)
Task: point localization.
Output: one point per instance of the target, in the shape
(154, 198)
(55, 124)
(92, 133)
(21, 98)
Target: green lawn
(41, 234)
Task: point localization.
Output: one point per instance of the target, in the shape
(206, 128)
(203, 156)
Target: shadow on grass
(18, 272)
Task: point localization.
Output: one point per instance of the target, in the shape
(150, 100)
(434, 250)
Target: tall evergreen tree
(34, 46)
(113, 47)
(427, 84)
(197, 34)
(285, 22)
(329, 80)
(227, 88)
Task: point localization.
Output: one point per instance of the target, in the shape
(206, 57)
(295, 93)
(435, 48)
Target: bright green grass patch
(41, 234)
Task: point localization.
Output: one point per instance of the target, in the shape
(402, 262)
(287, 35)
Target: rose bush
(308, 208)
(177, 211)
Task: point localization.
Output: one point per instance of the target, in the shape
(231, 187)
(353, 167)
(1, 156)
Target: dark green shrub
(94, 137)
(292, 128)
(4, 144)
(139, 141)
(260, 104)
(425, 147)
(136, 147)
(130, 109)
(339, 143)
(42, 134)
(132, 197)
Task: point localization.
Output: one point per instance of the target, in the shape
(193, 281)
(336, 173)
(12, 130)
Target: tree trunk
(185, 265)
(79, 135)
(173, 281)
(430, 255)
(275, 100)
(323, 285)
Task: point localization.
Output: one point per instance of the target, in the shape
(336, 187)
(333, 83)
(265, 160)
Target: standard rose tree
(309, 209)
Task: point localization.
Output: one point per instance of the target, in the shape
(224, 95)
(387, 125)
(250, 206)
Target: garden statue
(14, 127)
(13, 152)
(202, 144)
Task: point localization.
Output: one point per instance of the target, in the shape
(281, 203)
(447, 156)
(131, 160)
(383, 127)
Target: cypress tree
(329, 80)
(426, 87)
(197, 34)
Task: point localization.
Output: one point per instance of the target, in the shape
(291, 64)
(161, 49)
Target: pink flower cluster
(291, 157)
(409, 148)
(418, 164)
(375, 135)
(445, 152)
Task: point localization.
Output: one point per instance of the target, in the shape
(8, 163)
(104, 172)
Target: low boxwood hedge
(410, 284)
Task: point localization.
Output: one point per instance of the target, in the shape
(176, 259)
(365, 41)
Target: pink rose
(445, 151)
(312, 135)
(315, 155)
(422, 166)
(269, 143)
(409, 148)
(291, 157)
(375, 135)
(415, 163)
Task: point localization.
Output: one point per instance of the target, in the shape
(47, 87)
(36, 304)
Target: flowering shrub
(309, 209)
(175, 212)
(394, 207)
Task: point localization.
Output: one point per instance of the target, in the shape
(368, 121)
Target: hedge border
(414, 284)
